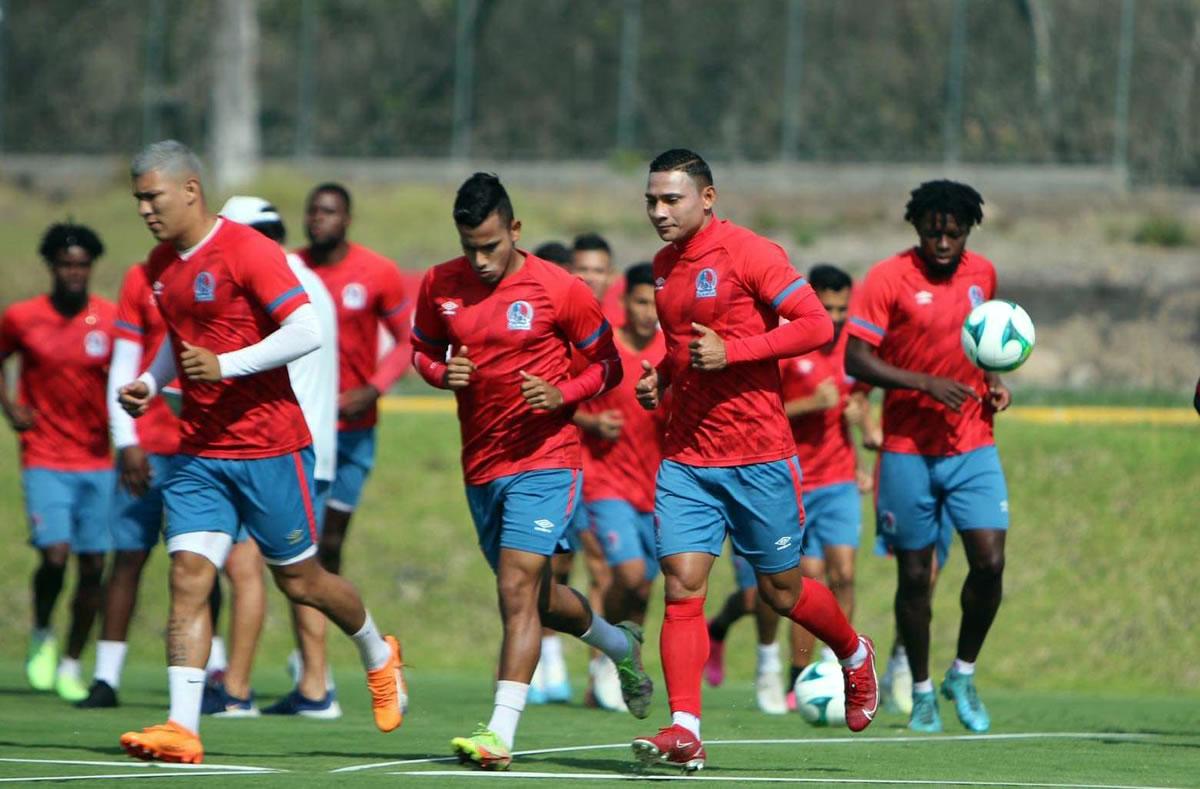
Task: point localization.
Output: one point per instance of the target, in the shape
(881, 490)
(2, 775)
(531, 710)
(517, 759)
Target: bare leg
(981, 590)
(120, 599)
(244, 568)
(333, 535)
(89, 597)
(914, 591)
(48, 582)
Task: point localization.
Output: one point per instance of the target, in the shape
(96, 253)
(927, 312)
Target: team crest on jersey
(95, 343)
(354, 296)
(660, 283)
(975, 294)
(923, 297)
(805, 366)
(157, 288)
(204, 288)
(706, 284)
(520, 316)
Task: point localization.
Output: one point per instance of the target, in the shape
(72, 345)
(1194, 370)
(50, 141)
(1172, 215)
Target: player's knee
(192, 577)
(54, 557)
(915, 579)
(91, 570)
(988, 566)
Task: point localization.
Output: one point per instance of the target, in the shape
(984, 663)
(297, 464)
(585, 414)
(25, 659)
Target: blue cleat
(296, 704)
(925, 716)
(960, 688)
(558, 692)
(220, 703)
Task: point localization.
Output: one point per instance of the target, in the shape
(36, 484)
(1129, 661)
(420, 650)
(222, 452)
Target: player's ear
(192, 190)
(514, 229)
(708, 196)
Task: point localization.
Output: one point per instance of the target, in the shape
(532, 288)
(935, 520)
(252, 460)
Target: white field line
(120, 776)
(145, 765)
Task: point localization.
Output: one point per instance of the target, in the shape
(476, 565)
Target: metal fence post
(631, 32)
(464, 77)
(1124, 73)
(793, 61)
(305, 88)
(152, 71)
(952, 121)
(3, 85)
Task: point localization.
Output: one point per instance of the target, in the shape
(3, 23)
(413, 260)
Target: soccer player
(496, 326)
(368, 290)
(556, 252)
(63, 341)
(235, 315)
(622, 448)
(939, 455)
(729, 460)
(591, 261)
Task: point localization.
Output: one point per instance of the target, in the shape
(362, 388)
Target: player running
(729, 460)
(939, 455)
(235, 315)
(63, 341)
(507, 321)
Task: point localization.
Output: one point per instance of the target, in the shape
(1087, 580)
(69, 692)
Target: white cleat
(768, 692)
(606, 684)
(895, 687)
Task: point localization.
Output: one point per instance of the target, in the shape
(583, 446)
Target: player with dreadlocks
(939, 456)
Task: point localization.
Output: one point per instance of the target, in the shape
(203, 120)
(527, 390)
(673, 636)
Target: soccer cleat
(960, 688)
(294, 703)
(70, 688)
(768, 692)
(714, 667)
(483, 749)
(862, 690)
(537, 686)
(606, 685)
(220, 703)
(895, 687)
(100, 696)
(672, 745)
(791, 701)
(636, 686)
(555, 684)
(166, 742)
(925, 716)
(41, 664)
(389, 692)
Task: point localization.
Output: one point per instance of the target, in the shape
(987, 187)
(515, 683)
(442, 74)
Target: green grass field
(1096, 635)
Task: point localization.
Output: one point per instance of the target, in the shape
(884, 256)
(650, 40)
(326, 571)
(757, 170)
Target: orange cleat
(166, 742)
(389, 692)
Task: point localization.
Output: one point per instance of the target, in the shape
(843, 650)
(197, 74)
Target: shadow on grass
(628, 766)
(107, 750)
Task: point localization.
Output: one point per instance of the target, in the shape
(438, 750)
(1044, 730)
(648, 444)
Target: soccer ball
(821, 694)
(998, 336)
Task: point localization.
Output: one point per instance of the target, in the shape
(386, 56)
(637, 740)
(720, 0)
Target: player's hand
(459, 369)
(609, 424)
(873, 439)
(707, 350)
(134, 398)
(539, 394)
(865, 480)
(646, 389)
(948, 392)
(134, 468)
(826, 395)
(20, 417)
(999, 395)
(199, 364)
(354, 403)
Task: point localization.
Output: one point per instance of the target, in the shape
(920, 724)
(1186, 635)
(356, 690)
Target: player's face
(837, 304)
(676, 206)
(164, 203)
(942, 241)
(640, 314)
(594, 267)
(326, 219)
(71, 268)
(490, 246)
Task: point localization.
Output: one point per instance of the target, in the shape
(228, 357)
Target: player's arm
(135, 397)
(823, 397)
(999, 395)
(132, 463)
(394, 311)
(605, 424)
(20, 417)
(580, 318)
(863, 362)
(431, 344)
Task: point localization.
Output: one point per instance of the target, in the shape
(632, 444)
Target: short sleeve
(131, 303)
(263, 271)
(870, 309)
(580, 316)
(393, 298)
(10, 340)
(428, 331)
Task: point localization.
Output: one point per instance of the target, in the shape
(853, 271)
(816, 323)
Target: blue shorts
(528, 511)
(138, 520)
(832, 516)
(625, 533)
(355, 459)
(320, 496)
(73, 507)
(757, 504)
(919, 494)
(743, 573)
(945, 542)
(577, 526)
(272, 497)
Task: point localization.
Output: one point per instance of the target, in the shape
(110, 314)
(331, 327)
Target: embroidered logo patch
(204, 288)
(975, 294)
(706, 284)
(95, 343)
(354, 296)
(520, 316)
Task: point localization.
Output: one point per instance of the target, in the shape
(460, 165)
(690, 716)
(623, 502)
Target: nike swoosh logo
(683, 744)
(195, 682)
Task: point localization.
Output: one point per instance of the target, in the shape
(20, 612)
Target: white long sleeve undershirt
(122, 368)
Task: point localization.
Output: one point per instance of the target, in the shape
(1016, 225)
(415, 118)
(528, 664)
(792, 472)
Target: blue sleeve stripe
(789, 290)
(129, 327)
(871, 327)
(296, 291)
(420, 335)
(591, 338)
(401, 307)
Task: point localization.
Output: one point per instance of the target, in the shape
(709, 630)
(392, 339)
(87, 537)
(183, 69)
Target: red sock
(818, 611)
(684, 648)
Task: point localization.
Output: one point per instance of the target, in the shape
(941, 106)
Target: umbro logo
(923, 297)
(449, 308)
(660, 283)
(782, 543)
(543, 525)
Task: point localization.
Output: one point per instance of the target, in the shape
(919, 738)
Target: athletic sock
(373, 650)
(186, 686)
(688, 721)
(554, 668)
(684, 648)
(899, 659)
(793, 675)
(110, 660)
(510, 703)
(924, 686)
(68, 667)
(818, 611)
(552, 649)
(768, 658)
(607, 637)
(963, 667)
(858, 658)
(41, 634)
(216, 656)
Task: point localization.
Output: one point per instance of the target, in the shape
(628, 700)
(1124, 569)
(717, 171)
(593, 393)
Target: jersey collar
(700, 243)
(188, 253)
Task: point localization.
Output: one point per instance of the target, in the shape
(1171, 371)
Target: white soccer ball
(998, 336)
(821, 694)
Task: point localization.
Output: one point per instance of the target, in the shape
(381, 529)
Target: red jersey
(626, 468)
(915, 322)
(737, 284)
(823, 442)
(64, 378)
(613, 303)
(229, 292)
(368, 289)
(139, 321)
(528, 321)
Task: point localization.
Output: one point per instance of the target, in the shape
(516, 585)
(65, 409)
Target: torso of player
(138, 320)
(823, 443)
(362, 284)
(64, 372)
(205, 301)
(507, 328)
(733, 416)
(924, 335)
(626, 468)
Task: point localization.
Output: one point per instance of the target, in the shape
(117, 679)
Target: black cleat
(100, 695)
